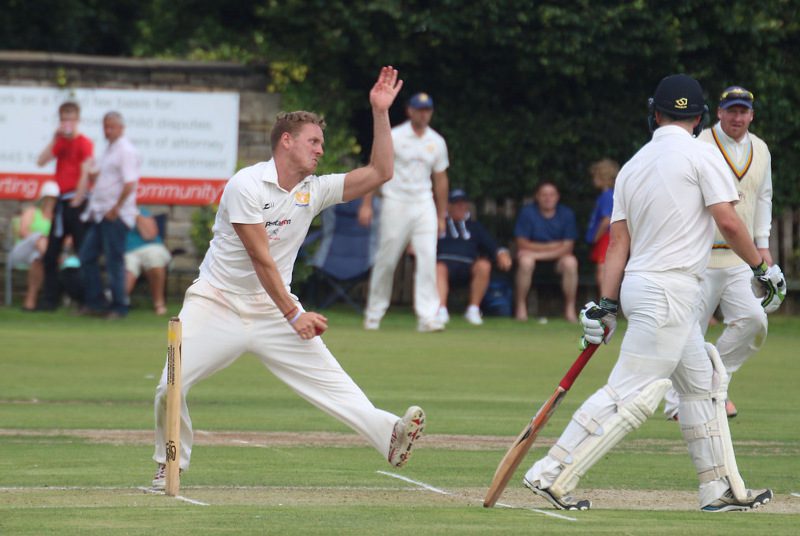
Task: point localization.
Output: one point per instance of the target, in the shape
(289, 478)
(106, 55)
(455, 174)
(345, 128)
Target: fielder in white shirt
(242, 301)
(726, 282)
(666, 199)
(413, 210)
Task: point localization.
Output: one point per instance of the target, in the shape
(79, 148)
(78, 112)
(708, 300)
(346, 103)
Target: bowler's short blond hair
(292, 122)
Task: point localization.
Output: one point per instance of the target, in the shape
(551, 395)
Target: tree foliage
(524, 90)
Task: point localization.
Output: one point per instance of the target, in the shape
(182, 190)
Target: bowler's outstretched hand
(385, 90)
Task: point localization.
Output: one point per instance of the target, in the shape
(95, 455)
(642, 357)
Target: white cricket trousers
(663, 340)
(403, 222)
(744, 317)
(219, 326)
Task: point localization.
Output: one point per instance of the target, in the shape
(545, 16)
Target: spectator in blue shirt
(603, 173)
(546, 232)
(464, 255)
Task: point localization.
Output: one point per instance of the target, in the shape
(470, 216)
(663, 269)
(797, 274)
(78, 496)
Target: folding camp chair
(345, 255)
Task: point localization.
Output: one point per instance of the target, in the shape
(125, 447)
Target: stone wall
(256, 114)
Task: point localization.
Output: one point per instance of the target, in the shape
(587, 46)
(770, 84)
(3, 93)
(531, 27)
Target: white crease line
(178, 497)
(416, 483)
(190, 501)
(794, 494)
(443, 492)
(64, 488)
(545, 512)
(249, 443)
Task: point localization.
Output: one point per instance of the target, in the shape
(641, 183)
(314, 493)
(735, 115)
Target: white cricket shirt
(662, 193)
(415, 159)
(253, 195)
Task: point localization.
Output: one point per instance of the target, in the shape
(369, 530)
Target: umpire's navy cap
(421, 101)
(679, 95)
(736, 96)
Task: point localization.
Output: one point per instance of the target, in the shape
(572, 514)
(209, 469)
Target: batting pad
(720, 395)
(629, 417)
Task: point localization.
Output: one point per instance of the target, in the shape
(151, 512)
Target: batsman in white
(242, 301)
(665, 202)
(726, 282)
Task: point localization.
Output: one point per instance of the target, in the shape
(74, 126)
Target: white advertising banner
(188, 141)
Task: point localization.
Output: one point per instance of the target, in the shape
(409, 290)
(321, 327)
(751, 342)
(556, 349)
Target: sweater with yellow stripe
(750, 165)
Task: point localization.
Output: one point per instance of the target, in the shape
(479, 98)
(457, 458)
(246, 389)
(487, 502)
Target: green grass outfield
(76, 433)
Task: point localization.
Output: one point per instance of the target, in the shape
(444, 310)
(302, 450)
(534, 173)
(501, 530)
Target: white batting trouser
(663, 340)
(745, 319)
(401, 223)
(218, 327)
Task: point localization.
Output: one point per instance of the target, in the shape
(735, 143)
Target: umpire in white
(242, 303)
(666, 199)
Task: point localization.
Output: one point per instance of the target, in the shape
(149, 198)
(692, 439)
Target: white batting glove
(771, 288)
(598, 321)
(765, 283)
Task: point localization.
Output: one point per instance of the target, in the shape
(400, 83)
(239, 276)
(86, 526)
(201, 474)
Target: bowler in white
(242, 300)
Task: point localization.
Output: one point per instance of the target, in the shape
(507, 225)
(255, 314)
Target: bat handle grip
(577, 367)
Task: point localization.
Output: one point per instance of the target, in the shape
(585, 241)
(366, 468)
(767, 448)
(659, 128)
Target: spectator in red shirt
(72, 152)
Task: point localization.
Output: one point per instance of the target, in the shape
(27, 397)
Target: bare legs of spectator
(35, 281)
(566, 267)
(156, 279)
(522, 284)
(481, 272)
(442, 283)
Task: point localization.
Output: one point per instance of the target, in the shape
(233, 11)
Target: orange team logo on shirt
(302, 199)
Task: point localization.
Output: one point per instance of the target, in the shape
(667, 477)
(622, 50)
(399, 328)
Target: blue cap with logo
(457, 195)
(736, 96)
(421, 101)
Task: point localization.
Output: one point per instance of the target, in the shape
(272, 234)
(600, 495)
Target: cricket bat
(173, 477)
(522, 444)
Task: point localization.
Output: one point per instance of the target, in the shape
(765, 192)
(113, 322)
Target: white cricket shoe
(561, 503)
(372, 324)
(442, 315)
(473, 315)
(406, 431)
(160, 478)
(729, 503)
(430, 326)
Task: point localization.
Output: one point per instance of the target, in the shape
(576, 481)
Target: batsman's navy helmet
(680, 96)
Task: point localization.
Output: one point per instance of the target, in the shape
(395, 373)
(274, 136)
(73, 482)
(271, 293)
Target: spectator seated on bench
(146, 253)
(30, 231)
(464, 257)
(546, 232)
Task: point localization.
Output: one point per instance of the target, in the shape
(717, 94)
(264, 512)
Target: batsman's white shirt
(662, 192)
(253, 196)
(416, 158)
